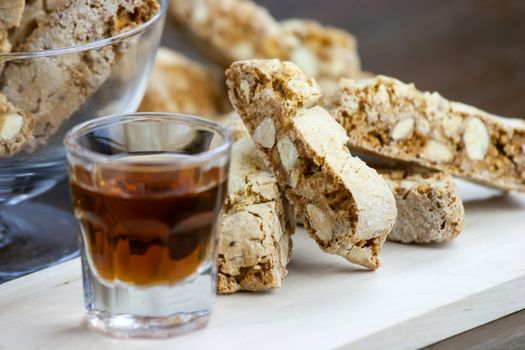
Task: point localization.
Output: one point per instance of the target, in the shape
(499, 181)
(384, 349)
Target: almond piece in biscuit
(386, 117)
(16, 128)
(349, 208)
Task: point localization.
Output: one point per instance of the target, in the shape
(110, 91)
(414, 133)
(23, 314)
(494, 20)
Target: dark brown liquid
(145, 228)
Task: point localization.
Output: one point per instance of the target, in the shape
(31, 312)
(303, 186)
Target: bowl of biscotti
(355, 157)
(63, 62)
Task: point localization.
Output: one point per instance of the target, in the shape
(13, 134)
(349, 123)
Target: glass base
(127, 311)
(35, 236)
(130, 326)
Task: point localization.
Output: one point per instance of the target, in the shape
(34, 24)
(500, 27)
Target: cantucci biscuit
(349, 208)
(387, 117)
(429, 207)
(255, 226)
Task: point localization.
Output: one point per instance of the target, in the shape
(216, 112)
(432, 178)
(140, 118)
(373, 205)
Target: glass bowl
(32, 235)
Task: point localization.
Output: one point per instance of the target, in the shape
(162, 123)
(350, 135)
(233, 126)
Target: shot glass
(147, 189)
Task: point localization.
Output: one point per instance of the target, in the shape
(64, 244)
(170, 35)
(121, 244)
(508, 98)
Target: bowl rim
(11, 56)
(74, 149)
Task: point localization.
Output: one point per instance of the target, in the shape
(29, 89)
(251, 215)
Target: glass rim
(74, 148)
(97, 44)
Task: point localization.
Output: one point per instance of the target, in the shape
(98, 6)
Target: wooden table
(421, 295)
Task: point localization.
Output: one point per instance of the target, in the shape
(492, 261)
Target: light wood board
(421, 294)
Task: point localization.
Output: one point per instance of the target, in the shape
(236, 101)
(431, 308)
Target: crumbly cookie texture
(178, 84)
(255, 227)
(322, 52)
(349, 208)
(390, 118)
(16, 128)
(35, 11)
(231, 30)
(11, 13)
(54, 88)
(429, 207)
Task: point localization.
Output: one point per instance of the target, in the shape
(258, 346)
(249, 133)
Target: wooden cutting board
(421, 295)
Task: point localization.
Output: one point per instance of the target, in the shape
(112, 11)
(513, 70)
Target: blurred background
(471, 51)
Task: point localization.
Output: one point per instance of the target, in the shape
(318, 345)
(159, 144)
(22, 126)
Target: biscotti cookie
(55, 87)
(349, 208)
(231, 30)
(35, 11)
(322, 52)
(16, 128)
(10, 15)
(255, 226)
(429, 207)
(178, 84)
(393, 119)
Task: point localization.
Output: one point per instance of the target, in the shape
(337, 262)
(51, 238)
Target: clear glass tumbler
(147, 190)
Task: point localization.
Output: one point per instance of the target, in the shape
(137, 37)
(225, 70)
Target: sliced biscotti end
(349, 207)
(16, 128)
(255, 226)
(278, 85)
(429, 206)
(390, 118)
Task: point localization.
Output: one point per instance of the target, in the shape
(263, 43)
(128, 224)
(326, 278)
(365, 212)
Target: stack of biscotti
(348, 207)
(46, 92)
(231, 30)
